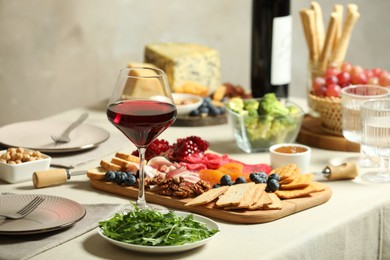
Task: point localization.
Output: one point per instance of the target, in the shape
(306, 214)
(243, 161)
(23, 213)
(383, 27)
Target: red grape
(344, 79)
(384, 79)
(333, 90)
(331, 80)
(377, 72)
(359, 78)
(356, 70)
(347, 66)
(332, 71)
(373, 81)
(318, 83)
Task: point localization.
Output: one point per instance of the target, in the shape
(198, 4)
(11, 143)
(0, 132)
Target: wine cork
(343, 171)
(49, 178)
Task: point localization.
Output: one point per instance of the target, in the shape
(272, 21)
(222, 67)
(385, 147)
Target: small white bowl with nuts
(185, 103)
(19, 164)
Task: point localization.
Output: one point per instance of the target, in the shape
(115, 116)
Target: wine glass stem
(141, 201)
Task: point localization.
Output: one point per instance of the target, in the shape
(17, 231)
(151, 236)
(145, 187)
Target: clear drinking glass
(351, 99)
(375, 141)
(141, 107)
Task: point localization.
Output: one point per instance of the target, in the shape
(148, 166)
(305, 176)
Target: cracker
(289, 194)
(208, 196)
(234, 194)
(286, 173)
(300, 182)
(247, 200)
(276, 202)
(317, 186)
(264, 199)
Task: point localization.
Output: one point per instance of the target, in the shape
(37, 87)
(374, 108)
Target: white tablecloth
(353, 224)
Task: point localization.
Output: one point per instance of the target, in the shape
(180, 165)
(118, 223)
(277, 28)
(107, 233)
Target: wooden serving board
(290, 206)
(311, 134)
(185, 120)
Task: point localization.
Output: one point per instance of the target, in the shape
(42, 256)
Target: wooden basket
(330, 111)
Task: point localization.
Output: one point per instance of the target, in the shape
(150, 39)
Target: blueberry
(262, 175)
(252, 176)
(213, 111)
(221, 110)
(120, 177)
(226, 180)
(195, 112)
(109, 176)
(204, 110)
(274, 176)
(257, 179)
(240, 180)
(217, 185)
(272, 185)
(130, 180)
(230, 183)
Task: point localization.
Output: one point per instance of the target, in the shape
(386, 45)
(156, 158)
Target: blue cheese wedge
(186, 63)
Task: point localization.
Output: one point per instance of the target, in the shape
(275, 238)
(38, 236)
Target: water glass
(351, 99)
(375, 138)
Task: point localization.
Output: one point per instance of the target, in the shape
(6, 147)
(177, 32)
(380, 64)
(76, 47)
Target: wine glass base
(377, 177)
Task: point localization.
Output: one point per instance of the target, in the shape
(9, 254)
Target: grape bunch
(330, 84)
(121, 178)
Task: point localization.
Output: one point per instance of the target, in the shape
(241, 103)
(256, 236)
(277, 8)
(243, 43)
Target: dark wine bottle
(271, 47)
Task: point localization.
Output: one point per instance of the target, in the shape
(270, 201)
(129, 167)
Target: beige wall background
(56, 55)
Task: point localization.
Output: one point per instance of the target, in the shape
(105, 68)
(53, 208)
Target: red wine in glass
(141, 107)
(141, 120)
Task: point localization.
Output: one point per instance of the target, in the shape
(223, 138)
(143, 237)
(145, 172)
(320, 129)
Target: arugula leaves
(149, 227)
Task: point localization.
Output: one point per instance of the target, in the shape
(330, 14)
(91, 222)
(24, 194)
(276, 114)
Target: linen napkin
(26, 246)
(114, 143)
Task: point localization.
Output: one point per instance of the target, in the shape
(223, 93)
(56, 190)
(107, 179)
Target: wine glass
(141, 107)
(375, 141)
(351, 99)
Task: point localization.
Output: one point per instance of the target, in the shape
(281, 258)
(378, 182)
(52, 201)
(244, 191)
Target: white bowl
(13, 173)
(185, 103)
(281, 158)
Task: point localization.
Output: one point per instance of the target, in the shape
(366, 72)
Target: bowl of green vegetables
(259, 123)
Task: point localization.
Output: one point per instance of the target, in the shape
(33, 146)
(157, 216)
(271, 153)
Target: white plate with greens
(201, 223)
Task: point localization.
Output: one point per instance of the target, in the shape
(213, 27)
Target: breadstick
(342, 46)
(339, 9)
(305, 25)
(330, 34)
(319, 25)
(310, 23)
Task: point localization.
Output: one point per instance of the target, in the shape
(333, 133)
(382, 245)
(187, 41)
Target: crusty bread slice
(127, 157)
(108, 166)
(97, 173)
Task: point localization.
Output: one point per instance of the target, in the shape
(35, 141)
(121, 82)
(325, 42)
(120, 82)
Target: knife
(53, 177)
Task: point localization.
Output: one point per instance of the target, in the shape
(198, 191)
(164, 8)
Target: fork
(32, 205)
(64, 137)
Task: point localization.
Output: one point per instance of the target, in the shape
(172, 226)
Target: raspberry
(187, 146)
(158, 147)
